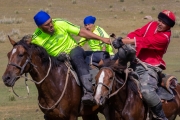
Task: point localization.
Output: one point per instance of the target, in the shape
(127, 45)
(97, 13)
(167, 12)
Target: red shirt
(150, 44)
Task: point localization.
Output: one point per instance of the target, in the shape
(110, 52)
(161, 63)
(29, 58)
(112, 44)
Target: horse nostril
(5, 78)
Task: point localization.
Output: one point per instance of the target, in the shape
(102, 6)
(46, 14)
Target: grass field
(115, 16)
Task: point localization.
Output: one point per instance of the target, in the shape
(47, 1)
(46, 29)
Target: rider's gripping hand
(117, 43)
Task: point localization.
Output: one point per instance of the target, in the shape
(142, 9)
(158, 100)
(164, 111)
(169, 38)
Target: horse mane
(42, 53)
(119, 70)
(113, 65)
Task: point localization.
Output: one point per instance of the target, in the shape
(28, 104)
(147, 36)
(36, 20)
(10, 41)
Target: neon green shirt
(60, 41)
(97, 45)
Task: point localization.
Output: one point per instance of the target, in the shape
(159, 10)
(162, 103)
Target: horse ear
(29, 40)
(11, 40)
(101, 63)
(117, 62)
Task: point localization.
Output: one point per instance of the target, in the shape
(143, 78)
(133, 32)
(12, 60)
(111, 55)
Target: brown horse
(59, 94)
(127, 102)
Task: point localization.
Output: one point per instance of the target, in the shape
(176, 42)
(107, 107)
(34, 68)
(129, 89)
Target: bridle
(28, 60)
(109, 88)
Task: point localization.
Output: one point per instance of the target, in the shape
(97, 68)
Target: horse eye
(20, 55)
(111, 78)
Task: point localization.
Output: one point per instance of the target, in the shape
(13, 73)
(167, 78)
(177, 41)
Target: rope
(53, 106)
(112, 44)
(127, 72)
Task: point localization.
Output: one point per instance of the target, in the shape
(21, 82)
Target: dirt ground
(115, 16)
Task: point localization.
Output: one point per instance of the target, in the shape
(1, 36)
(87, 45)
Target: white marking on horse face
(13, 51)
(98, 90)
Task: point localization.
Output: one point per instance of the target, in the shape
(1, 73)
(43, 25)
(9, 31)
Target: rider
(55, 36)
(151, 42)
(95, 45)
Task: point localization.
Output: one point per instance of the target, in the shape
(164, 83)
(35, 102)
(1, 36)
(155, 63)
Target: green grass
(113, 15)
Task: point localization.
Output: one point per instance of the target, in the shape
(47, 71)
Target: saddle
(96, 57)
(92, 61)
(166, 86)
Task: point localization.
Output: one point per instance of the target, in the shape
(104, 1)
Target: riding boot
(158, 111)
(86, 81)
(93, 72)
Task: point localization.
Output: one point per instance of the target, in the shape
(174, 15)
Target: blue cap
(89, 20)
(41, 17)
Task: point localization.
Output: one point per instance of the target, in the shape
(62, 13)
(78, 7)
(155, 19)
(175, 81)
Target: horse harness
(28, 60)
(109, 95)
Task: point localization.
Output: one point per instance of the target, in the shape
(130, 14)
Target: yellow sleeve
(82, 41)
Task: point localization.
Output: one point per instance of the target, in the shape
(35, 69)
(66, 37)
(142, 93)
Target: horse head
(105, 81)
(18, 62)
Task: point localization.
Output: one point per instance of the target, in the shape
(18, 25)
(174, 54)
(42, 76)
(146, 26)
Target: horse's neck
(48, 80)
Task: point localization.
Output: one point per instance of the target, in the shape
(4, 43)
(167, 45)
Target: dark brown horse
(127, 102)
(59, 94)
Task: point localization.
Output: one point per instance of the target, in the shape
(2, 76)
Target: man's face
(162, 26)
(89, 27)
(47, 27)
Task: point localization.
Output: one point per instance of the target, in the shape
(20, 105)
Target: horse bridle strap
(108, 87)
(126, 72)
(22, 68)
(46, 74)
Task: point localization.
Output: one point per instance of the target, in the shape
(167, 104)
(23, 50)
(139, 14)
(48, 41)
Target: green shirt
(97, 45)
(60, 41)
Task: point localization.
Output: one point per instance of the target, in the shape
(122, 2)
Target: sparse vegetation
(123, 8)
(110, 6)
(153, 8)
(177, 21)
(10, 20)
(115, 16)
(12, 98)
(119, 17)
(176, 34)
(2, 37)
(74, 2)
(141, 12)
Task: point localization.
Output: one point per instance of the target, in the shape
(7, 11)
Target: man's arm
(89, 35)
(128, 41)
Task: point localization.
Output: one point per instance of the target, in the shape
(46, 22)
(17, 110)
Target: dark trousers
(78, 56)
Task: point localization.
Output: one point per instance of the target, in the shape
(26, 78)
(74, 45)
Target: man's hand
(106, 40)
(117, 43)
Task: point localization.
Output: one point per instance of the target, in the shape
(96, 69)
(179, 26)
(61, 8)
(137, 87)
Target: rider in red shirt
(149, 39)
(151, 42)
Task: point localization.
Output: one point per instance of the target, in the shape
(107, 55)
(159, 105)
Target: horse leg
(45, 117)
(105, 111)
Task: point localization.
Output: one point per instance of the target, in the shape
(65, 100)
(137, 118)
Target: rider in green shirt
(60, 41)
(95, 45)
(55, 35)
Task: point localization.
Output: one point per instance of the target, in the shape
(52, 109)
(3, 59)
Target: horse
(127, 101)
(59, 95)
(112, 88)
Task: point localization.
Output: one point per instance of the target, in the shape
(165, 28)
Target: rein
(26, 78)
(44, 76)
(114, 78)
(108, 87)
(126, 72)
(67, 76)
